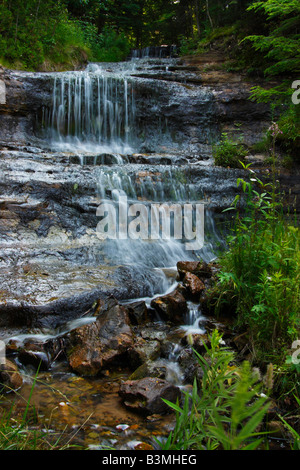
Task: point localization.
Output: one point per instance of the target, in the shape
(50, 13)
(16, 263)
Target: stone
(145, 395)
(276, 428)
(171, 307)
(142, 350)
(10, 377)
(184, 267)
(198, 268)
(191, 368)
(193, 284)
(98, 345)
(138, 312)
(34, 354)
(150, 368)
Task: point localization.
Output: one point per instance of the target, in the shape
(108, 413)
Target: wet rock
(34, 354)
(171, 307)
(98, 345)
(146, 395)
(193, 284)
(39, 354)
(184, 267)
(138, 312)
(190, 366)
(198, 268)
(158, 369)
(143, 350)
(155, 332)
(10, 377)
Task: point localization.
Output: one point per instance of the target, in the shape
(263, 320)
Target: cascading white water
(92, 111)
(162, 187)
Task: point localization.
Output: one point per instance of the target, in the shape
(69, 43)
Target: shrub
(229, 153)
(260, 273)
(225, 412)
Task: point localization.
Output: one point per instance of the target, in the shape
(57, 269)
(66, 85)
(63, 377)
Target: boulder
(146, 395)
(37, 353)
(190, 366)
(184, 267)
(199, 268)
(34, 354)
(10, 377)
(142, 350)
(97, 345)
(193, 284)
(150, 368)
(171, 307)
(138, 312)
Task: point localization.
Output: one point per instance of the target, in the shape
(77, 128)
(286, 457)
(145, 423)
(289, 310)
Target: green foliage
(289, 123)
(295, 435)
(261, 271)
(229, 153)
(33, 32)
(188, 46)
(225, 412)
(108, 46)
(279, 46)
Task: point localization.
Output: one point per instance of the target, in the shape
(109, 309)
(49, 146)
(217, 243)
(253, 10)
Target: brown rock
(276, 428)
(199, 268)
(171, 307)
(146, 395)
(97, 345)
(194, 285)
(142, 350)
(138, 312)
(10, 376)
(184, 267)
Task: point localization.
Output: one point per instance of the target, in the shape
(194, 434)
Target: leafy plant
(229, 153)
(261, 271)
(246, 413)
(295, 435)
(281, 45)
(225, 411)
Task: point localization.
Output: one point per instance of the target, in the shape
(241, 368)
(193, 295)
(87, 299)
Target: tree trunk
(37, 12)
(197, 18)
(17, 24)
(208, 15)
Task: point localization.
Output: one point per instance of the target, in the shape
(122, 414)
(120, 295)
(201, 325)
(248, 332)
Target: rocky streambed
(109, 324)
(103, 376)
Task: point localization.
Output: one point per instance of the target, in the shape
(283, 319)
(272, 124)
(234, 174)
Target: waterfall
(160, 196)
(93, 114)
(154, 52)
(92, 111)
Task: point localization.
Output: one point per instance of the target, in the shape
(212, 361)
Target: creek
(139, 131)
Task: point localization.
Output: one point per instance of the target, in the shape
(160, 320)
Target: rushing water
(92, 110)
(93, 116)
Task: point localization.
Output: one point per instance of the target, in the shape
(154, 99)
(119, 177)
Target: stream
(119, 139)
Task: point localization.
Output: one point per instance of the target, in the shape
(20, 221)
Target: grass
(224, 411)
(260, 273)
(229, 153)
(25, 432)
